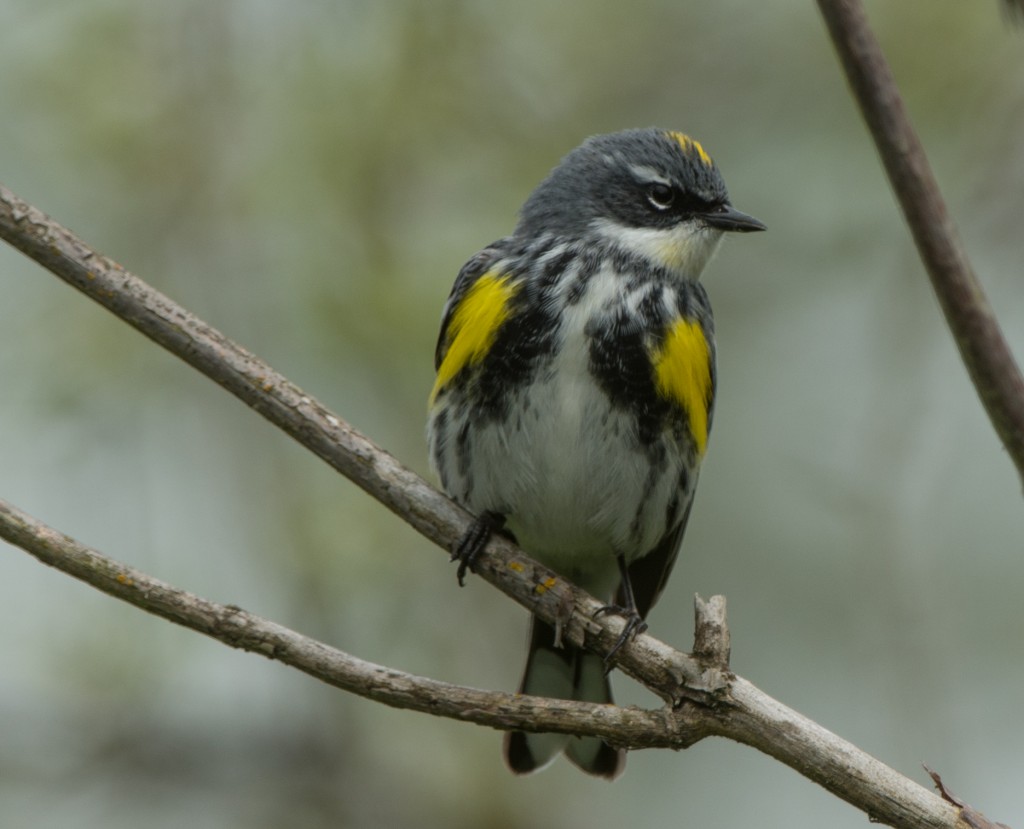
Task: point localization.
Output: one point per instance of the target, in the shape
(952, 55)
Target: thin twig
(970, 816)
(982, 346)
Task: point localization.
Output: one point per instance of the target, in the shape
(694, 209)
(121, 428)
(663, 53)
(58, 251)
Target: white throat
(685, 249)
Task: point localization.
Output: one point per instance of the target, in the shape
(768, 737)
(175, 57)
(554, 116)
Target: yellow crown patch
(691, 146)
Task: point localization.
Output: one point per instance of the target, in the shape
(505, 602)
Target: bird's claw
(634, 625)
(471, 545)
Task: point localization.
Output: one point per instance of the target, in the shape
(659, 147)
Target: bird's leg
(469, 547)
(634, 621)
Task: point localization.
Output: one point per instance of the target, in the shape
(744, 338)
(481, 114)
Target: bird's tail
(563, 672)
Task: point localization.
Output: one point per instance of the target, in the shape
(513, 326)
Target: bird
(575, 389)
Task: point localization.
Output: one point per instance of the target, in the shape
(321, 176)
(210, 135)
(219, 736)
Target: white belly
(569, 473)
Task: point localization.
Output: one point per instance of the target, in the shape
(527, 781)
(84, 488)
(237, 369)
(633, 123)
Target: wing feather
(479, 264)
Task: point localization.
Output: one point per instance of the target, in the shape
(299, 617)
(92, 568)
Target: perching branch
(706, 698)
(731, 707)
(285, 405)
(985, 352)
(239, 629)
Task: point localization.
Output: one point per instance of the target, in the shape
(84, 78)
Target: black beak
(728, 218)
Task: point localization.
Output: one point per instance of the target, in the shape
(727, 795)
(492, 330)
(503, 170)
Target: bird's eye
(661, 196)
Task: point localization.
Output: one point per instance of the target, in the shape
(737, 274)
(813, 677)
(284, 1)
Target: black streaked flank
(441, 434)
(554, 270)
(589, 261)
(657, 457)
(621, 364)
(462, 456)
(522, 342)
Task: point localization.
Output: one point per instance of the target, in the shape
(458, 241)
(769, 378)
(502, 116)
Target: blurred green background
(308, 178)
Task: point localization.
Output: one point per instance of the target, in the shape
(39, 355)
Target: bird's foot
(634, 625)
(469, 547)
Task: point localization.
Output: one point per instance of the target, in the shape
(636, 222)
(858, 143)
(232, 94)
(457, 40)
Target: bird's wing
(649, 574)
(476, 267)
(684, 366)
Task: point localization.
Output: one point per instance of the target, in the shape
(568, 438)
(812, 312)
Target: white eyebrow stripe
(644, 173)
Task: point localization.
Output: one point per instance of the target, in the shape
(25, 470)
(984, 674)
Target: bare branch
(228, 364)
(985, 352)
(711, 641)
(735, 708)
(237, 628)
(285, 405)
(706, 698)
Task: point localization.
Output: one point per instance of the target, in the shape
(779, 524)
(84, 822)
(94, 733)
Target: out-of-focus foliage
(308, 177)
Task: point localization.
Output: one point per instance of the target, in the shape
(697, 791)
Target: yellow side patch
(474, 325)
(682, 373)
(690, 146)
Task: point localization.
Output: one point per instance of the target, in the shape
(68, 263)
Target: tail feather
(563, 673)
(592, 754)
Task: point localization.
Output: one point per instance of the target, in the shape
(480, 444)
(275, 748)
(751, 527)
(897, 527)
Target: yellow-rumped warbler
(575, 388)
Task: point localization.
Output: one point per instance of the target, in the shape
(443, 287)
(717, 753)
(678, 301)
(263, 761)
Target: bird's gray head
(652, 192)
